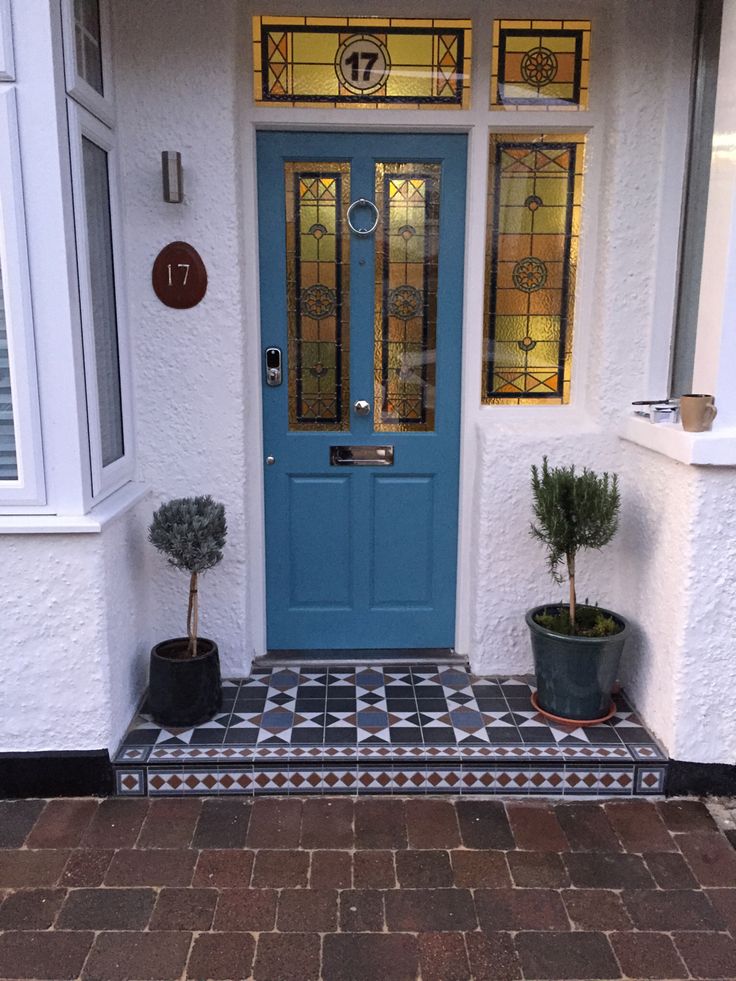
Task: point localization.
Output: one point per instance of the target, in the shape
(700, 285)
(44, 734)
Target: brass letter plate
(361, 456)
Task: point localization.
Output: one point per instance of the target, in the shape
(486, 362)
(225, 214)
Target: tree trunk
(193, 615)
(571, 577)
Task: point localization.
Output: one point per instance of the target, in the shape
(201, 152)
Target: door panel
(319, 549)
(361, 556)
(403, 534)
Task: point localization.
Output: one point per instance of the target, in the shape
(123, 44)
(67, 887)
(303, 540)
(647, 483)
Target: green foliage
(591, 622)
(573, 511)
(191, 531)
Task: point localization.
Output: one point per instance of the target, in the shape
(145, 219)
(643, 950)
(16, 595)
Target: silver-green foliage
(190, 531)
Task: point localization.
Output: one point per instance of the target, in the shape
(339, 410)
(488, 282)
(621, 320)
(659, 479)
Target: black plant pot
(575, 675)
(184, 691)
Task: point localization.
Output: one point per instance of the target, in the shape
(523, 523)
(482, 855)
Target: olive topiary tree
(191, 532)
(573, 511)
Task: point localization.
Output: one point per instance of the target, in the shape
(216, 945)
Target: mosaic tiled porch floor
(365, 730)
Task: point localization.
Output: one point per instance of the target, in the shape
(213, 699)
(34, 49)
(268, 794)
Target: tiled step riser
(395, 729)
(401, 779)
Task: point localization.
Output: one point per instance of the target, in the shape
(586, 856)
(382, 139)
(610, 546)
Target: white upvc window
(85, 29)
(21, 468)
(104, 328)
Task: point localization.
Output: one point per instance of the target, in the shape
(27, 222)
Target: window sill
(82, 524)
(716, 448)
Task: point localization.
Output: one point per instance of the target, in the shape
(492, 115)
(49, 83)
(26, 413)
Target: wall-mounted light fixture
(171, 172)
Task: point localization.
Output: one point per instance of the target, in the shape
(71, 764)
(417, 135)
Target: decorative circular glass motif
(539, 67)
(362, 64)
(404, 301)
(318, 301)
(529, 274)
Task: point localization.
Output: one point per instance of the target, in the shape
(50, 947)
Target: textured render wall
(178, 89)
(176, 68)
(54, 693)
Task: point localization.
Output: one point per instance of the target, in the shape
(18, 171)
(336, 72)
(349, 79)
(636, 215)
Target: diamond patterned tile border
(387, 730)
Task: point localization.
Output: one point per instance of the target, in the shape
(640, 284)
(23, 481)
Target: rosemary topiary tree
(573, 511)
(191, 532)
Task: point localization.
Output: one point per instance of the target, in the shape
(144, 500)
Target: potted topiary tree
(184, 682)
(577, 648)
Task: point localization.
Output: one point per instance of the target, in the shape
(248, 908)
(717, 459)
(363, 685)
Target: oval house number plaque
(179, 276)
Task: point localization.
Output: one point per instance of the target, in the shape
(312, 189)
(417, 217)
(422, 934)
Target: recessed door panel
(361, 266)
(319, 542)
(402, 540)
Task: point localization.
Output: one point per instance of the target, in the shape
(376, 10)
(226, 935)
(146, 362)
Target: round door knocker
(363, 202)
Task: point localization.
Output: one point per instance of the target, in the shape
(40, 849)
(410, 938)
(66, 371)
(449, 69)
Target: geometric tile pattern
(398, 729)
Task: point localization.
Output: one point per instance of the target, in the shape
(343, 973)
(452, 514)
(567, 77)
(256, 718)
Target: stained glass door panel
(369, 325)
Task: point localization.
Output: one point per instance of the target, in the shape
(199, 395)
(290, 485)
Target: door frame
(476, 122)
(477, 153)
(454, 153)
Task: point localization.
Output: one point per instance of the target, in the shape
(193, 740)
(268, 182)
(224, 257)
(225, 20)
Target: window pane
(104, 314)
(317, 195)
(407, 196)
(332, 61)
(8, 460)
(535, 197)
(87, 42)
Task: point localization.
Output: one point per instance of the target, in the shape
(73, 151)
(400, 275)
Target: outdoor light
(171, 173)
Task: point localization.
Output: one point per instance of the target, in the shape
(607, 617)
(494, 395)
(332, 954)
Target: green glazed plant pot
(184, 691)
(575, 675)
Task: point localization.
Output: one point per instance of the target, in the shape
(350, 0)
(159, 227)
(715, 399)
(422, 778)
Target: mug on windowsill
(697, 412)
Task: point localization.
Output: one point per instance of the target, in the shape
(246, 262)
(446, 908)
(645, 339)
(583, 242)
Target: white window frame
(28, 488)
(102, 106)
(7, 63)
(105, 479)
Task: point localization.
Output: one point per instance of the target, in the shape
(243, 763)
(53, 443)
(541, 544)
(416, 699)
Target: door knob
(362, 408)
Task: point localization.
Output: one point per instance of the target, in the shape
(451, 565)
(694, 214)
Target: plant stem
(571, 577)
(193, 615)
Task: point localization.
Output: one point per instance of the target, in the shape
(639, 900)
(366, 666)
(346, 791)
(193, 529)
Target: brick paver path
(387, 888)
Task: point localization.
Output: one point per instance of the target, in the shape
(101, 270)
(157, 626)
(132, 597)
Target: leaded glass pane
(535, 196)
(407, 197)
(87, 42)
(8, 457)
(540, 64)
(318, 289)
(363, 61)
(104, 310)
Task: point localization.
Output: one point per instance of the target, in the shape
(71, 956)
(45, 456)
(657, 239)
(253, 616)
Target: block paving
(351, 889)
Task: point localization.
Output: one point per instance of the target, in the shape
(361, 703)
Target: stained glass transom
(535, 195)
(407, 196)
(540, 64)
(318, 290)
(361, 61)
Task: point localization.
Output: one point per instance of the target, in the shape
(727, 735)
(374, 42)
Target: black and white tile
(396, 730)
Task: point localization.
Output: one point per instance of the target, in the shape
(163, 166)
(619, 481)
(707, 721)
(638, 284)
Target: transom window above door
(361, 61)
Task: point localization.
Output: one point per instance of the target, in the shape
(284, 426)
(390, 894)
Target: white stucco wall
(176, 74)
(99, 602)
(74, 665)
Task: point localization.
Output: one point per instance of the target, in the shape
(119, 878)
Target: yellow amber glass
(542, 64)
(535, 189)
(318, 291)
(407, 196)
(363, 62)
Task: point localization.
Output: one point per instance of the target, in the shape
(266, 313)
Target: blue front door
(361, 259)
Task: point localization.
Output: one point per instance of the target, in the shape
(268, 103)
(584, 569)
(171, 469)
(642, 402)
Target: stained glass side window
(540, 64)
(318, 290)
(361, 61)
(407, 197)
(535, 196)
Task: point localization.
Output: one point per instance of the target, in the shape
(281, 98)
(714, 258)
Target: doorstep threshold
(352, 657)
